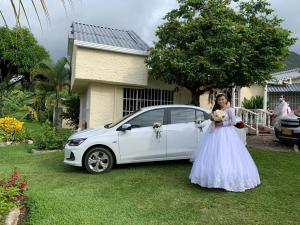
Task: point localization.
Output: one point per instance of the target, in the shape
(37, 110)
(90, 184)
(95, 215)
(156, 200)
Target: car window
(147, 119)
(183, 115)
(200, 115)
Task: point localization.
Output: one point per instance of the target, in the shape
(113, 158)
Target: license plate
(286, 131)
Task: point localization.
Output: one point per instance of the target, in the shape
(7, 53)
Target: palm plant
(55, 76)
(18, 7)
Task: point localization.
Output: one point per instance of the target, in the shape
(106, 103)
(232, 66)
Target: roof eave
(110, 48)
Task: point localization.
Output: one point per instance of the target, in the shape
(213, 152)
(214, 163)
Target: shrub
(11, 193)
(72, 104)
(253, 103)
(12, 129)
(51, 138)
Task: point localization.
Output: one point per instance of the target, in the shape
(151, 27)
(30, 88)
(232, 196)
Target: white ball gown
(222, 160)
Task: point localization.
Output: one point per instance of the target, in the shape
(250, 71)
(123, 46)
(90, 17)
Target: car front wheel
(98, 160)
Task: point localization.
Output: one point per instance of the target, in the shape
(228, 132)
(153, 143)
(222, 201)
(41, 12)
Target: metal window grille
(237, 97)
(292, 98)
(134, 99)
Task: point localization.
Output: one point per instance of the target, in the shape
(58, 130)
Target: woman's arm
(232, 119)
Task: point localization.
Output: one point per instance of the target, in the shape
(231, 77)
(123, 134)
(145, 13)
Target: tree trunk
(195, 97)
(56, 109)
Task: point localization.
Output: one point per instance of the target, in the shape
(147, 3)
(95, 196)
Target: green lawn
(152, 193)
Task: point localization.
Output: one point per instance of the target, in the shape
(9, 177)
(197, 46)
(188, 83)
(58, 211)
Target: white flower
(219, 115)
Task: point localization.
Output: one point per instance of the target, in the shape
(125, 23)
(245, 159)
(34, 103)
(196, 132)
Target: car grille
(72, 157)
(290, 123)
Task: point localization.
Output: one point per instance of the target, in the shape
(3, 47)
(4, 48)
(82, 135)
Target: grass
(152, 193)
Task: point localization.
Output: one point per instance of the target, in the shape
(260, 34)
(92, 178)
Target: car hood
(89, 132)
(291, 117)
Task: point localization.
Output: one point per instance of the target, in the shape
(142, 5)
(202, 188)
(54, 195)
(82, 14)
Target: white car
(154, 133)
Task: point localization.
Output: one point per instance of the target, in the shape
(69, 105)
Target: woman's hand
(218, 123)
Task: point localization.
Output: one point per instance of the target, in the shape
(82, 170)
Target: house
(285, 82)
(109, 73)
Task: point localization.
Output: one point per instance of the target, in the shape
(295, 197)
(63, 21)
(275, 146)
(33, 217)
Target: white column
(233, 97)
(265, 97)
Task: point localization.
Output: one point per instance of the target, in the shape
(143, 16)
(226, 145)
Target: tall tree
(56, 76)
(206, 44)
(19, 52)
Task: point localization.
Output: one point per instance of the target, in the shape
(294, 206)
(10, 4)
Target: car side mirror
(125, 127)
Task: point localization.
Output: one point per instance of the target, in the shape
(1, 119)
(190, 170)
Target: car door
(141, 142)
(182, 133)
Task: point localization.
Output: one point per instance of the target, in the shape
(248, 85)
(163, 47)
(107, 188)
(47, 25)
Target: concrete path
(267, 143)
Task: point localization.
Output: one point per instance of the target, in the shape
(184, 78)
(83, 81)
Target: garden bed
(39, 151)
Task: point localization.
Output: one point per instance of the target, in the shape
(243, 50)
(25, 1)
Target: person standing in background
(282, 109)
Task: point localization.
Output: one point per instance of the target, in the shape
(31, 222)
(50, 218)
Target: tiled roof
(287, 74)
(107, 36)
(284, 88)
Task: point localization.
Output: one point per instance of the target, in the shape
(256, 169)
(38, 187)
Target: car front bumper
(73, 155)
(294, 138)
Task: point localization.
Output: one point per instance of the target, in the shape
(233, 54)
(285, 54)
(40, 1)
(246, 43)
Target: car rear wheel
(98, 160)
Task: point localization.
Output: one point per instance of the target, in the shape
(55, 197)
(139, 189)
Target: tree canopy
(19, 52)
(206, 44)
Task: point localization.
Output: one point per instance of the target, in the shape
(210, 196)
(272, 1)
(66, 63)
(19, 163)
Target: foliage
(255, 102)
(292, 61)
(53, 78)
(51, 138)
(11, 192)
(20, 8)
(12, 130)
(72, 103)
(207, 44)
(14, 101)
(19, 52)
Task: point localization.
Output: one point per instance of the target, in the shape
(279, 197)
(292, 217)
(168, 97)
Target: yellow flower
(11, 125)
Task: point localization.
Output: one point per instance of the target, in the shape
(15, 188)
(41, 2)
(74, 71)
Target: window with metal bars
(134, 99)
(237, 97)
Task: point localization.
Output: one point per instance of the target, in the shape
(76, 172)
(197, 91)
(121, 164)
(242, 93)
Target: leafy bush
(253, 103)
(51, 138)
(11, 193)
(72, 103)
(12, 129)
(13, 101)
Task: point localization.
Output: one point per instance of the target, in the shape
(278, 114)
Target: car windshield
(110, 125)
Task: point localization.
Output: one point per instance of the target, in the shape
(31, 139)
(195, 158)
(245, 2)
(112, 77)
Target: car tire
(98, 160)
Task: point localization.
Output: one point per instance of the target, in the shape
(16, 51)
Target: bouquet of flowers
(219, 115)
(239, 125)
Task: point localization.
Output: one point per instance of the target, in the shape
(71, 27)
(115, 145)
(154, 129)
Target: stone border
(13, 217)
(40, 151)
(11, 143)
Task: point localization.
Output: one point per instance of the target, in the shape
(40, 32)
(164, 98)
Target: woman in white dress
(222, 160)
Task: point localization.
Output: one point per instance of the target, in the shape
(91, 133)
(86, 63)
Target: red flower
(23, 186)
(14, 177)
(19, 198)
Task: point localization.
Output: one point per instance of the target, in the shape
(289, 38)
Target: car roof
(174, 106)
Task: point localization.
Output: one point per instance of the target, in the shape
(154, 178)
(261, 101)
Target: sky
(141, 16)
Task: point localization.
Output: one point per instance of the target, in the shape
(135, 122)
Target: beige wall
(181, 95)
(248, 92)
(297, 80)
(109, 67)
(105, 101)
(106, 104)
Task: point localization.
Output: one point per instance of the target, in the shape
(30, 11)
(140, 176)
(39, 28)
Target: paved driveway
(267, 143)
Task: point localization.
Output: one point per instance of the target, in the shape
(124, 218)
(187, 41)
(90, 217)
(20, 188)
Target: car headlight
(76, 142)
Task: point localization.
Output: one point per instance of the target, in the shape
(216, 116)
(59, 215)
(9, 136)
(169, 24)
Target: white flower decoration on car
(157, 129)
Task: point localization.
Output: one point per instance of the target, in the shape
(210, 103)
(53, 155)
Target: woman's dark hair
(217, 106)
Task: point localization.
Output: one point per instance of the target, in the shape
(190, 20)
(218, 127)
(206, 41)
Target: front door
(142, 143)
